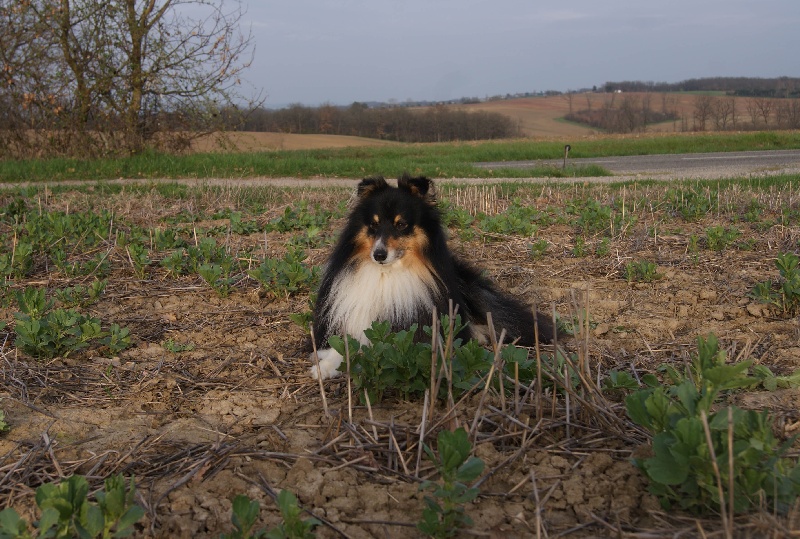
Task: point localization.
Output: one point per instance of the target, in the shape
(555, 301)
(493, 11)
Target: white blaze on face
(383, 254)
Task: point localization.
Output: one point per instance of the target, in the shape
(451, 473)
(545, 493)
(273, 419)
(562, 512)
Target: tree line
(625, 113)
(735, 86)
(432, 124)
(634, 112)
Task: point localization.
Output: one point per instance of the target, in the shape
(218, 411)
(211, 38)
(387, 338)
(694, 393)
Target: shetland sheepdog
(392, 263)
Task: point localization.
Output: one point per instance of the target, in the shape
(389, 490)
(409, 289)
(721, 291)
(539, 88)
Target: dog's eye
(401, 225)
(373, 225)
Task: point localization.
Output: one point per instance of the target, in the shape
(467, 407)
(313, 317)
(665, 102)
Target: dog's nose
(379, 255)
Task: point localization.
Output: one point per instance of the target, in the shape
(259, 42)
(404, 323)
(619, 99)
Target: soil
(236, 413)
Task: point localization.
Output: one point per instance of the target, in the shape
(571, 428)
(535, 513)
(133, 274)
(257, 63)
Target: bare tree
(765, 106)
(702, 111)
(124, 72)
(752, 111)
(569, 96)
(723, 111)
(787, 113)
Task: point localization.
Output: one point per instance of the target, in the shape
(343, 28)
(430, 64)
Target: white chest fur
(392, 292)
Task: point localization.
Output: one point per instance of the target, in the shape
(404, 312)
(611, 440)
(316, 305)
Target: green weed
(175, 347)
(683, 414)
(444, 514)
(691, 203)
(517, 219)
(580, 250)
(392, 360)
(538, 248)
(44, 332)
(642, 271)
(117, 339)
(292, 527)
(302, 217)
(284, 277)
(603, 248)
(67, 512)
(244, 514)
(719, 238)
(771, 382)
(175, 263)
(784, 293)
(81, 296)
(218, 277)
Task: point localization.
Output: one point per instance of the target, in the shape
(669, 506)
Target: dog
(392, 263)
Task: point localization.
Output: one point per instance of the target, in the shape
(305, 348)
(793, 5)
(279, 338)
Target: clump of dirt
(227, 408)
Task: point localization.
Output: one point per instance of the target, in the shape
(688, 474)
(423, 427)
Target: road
(694, 165)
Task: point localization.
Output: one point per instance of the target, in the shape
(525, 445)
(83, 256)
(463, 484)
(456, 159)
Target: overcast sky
(340, 51)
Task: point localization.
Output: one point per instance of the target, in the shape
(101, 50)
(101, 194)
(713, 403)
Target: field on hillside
(537, 117)
(542, 116)
(209, 396)
(248, 141)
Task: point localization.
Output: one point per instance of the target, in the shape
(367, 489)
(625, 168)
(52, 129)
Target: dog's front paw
(329, 361)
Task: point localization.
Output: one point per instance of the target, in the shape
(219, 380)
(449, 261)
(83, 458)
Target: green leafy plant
(785, 293)
(176, 347)
(292, 527)
(218, 277)
(691, 203)
(595, 218)
(516, 219)
(400, 363)
(444, 514)
(754, 211)
(603, 248)
(117, 339)
(167, 239)
(538, 248)
(79, 295)
(580, 250)
(619, 381)
(244, 513)
(302, 217)
(719, 238)
(770, 381)
(3, 425)
(175, 263)
(681, 417)
(67, 512)
(137, 254)
(642, 271)
(391, 360)
(455, 216)
(286, 276)
(44, 332)
(239, 226)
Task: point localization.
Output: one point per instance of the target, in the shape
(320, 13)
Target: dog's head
(395, 222)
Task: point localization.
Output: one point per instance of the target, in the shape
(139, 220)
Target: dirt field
(258, 141)
(236, 413)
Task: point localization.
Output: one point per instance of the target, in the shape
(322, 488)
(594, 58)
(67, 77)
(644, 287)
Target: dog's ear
(420, 186)
(368, 186)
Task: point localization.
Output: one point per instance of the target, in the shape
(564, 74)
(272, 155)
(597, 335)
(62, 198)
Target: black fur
(453, 278)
